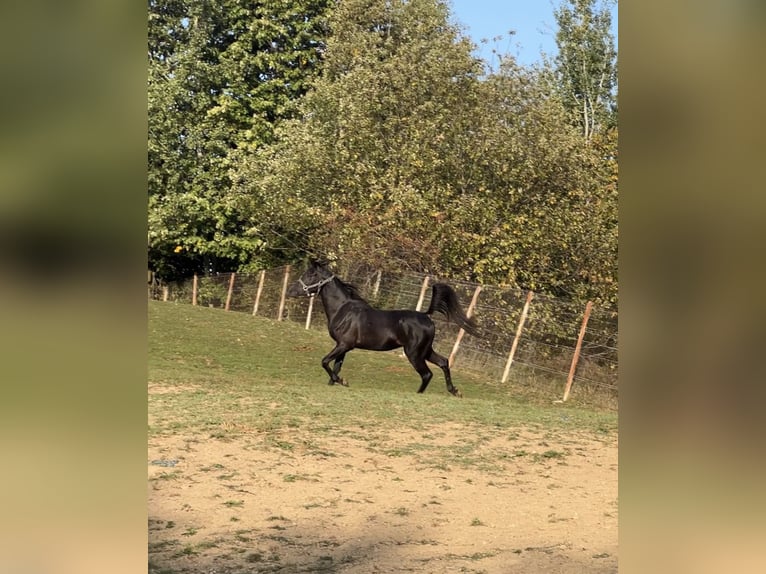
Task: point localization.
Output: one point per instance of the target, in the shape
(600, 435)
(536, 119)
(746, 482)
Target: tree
(587, 64)
(405, 157)
(542, 213)
(374, 157)
(222, 75)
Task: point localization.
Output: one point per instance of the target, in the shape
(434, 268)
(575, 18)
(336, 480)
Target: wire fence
(527, 339)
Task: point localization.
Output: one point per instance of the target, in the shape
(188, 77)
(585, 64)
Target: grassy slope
(223, 373)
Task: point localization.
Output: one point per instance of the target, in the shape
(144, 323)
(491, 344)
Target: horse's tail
(444, 300)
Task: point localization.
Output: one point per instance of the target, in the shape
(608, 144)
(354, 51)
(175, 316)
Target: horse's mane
(350, 290)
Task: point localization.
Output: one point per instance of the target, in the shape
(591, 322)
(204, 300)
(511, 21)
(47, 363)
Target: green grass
(226, 374)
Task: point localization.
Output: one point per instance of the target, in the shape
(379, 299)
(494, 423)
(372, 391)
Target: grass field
(249, 363)
(229, 384)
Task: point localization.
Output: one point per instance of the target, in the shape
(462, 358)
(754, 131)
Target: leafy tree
(587, 64)
(405, 156)
(372, 161)
(543, 212)
(222, 75)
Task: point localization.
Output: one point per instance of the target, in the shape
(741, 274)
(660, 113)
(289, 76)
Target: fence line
(523, 331)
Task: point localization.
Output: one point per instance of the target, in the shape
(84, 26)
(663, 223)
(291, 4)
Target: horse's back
(373, 329)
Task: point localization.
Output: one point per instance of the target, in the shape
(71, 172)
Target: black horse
(353, 323)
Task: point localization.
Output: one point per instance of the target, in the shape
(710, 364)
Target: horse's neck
(333, 298)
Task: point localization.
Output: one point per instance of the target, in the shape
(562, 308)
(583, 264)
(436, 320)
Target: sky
(532, 20)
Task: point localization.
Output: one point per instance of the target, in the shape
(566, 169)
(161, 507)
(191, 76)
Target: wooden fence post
(258, 293)
(462, 331)
(576, 356)
(165, 292)
(194, 290)
(284, 292)
(515, 344)
(308, 315)
(231, 289)
(376, 287)
(422, 293)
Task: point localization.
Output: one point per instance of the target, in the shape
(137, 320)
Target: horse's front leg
(338, 354)
(336, 368)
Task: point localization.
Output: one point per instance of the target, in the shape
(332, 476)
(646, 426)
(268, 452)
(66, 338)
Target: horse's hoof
(456, 392)
(343, 382)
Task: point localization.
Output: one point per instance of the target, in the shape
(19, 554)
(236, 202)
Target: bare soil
(356, 502)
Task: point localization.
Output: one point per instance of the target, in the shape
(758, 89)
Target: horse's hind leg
(337, 355)
(418, 361)
(443, 363)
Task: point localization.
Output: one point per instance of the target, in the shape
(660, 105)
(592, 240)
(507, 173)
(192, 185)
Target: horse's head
(311, 281)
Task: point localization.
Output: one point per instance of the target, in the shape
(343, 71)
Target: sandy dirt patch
(357, 502)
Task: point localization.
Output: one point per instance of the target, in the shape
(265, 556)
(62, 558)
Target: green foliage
(406, 157)
(587, 64)
(365, 167)
(549, 220)
(222, 74)
(404, 153)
